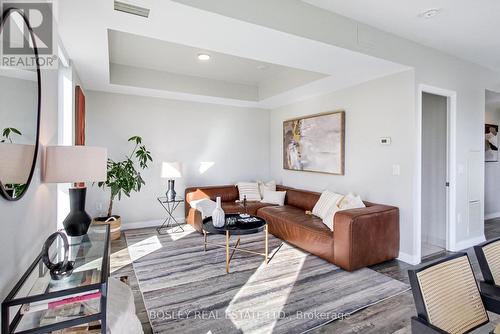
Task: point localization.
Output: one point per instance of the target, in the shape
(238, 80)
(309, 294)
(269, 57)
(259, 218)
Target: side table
(170, 220)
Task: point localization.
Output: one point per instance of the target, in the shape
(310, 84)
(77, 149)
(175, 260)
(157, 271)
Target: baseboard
(410, 259)
(147, 223)
(464, 244)
(491, 215)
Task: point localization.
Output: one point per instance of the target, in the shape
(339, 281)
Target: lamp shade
(170, 170)
(68, 164)
(15, 162)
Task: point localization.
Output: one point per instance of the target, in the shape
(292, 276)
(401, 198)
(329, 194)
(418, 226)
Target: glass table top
(164, 199)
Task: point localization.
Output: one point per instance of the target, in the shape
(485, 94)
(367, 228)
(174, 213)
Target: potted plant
(12, 189)
(123, 178)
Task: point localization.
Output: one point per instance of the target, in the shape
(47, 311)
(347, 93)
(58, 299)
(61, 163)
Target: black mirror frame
(3, 18)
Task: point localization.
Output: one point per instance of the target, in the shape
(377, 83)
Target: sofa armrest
(192, 194)
(365, 236)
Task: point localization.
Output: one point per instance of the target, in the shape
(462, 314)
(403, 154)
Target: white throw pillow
(351, 201)
(271, 185)
(274, 197)
(326, 202)
(205, 205)
(329, 218)
(250, 190)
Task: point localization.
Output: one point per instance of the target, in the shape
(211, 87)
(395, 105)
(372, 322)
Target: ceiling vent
(131, 9)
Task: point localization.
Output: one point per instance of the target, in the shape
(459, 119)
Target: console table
(23, 310)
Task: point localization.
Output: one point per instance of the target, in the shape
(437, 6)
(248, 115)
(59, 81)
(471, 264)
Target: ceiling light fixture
(430, 13)
(262, 67)
(203, 56)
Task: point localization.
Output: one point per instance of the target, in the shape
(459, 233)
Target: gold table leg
(205, 240)
(267, 244)
(227, 252)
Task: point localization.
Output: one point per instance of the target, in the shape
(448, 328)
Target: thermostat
(385, 141)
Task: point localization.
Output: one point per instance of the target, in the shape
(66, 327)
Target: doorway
(491, 165)
(435, 176)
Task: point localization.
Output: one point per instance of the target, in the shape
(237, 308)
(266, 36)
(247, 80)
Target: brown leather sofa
(361, 237)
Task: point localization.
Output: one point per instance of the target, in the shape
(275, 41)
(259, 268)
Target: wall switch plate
(396, 170)
(385, 141)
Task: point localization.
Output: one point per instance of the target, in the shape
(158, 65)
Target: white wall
(28, 222)
(379, 108)
(19, 98)
(235, 140)
(492, 173)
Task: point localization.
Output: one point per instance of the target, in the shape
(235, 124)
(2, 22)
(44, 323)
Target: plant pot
(115, 225)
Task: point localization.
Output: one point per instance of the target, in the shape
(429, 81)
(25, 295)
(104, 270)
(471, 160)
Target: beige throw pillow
(351, 201)
(250, 190)
(274, 197)
(327, 201)
(263, 186)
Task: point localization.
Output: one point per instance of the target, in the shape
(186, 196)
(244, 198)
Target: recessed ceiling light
(203, 56)
(262, 67)
(429, 13)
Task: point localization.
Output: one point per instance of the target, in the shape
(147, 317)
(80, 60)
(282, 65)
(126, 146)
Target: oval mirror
(19, 104)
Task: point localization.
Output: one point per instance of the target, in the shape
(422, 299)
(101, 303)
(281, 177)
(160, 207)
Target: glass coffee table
(236, 225)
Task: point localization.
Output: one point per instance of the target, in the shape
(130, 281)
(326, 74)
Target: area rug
(187, 290)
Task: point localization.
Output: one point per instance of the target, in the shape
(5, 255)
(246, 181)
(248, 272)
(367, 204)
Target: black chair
(488, 256)
(447, 297)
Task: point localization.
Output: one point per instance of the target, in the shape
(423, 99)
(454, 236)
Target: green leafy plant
(16, 189)
(123, 177)
(6, 134)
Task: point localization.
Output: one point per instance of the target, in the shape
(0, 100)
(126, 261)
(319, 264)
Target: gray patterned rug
(187, 290)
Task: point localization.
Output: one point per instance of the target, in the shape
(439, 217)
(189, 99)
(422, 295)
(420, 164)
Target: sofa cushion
(294, 216)
(296, 227)
(302, 199)
(252, 207)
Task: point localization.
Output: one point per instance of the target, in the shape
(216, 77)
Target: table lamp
(75, 164)
(171, 170)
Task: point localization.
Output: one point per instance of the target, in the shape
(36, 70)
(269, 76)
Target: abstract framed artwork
(315, 143)
(491, 143)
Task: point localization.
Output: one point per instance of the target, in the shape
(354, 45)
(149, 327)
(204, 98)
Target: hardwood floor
(389, 316)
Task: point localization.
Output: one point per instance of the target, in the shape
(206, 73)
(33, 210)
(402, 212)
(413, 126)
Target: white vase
(218, 215)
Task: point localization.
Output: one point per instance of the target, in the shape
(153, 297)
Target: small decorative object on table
(61, 269)
(218, 215)
(231, 221)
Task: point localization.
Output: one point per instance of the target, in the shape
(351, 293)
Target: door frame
(451, 221)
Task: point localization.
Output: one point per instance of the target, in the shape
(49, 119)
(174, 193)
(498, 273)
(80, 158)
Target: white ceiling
(171, 23)
(467, 29)
(128, 49)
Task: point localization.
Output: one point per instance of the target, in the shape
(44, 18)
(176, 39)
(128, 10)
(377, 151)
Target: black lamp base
(78, 221)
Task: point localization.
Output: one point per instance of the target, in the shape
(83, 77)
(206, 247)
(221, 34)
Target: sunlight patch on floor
(245, 309)
(125, 256)
(175, 233)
